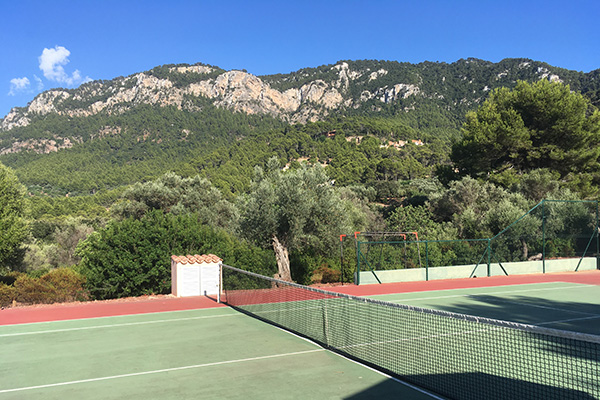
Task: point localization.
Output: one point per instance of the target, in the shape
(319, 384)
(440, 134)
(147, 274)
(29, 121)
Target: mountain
(107, 133)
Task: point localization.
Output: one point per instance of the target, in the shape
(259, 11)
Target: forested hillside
(111, 133)
(106, 181)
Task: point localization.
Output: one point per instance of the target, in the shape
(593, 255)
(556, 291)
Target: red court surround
(93, 309)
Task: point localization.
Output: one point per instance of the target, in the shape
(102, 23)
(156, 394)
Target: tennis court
(225, 353)
(206, 353)
(449, 342)
(558, 305)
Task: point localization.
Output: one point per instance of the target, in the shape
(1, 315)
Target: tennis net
(454, 355)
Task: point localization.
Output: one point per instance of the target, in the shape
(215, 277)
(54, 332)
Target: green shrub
(31, 290)
(66, 285)
(132, 257)
(7, 295)
(9, 278)
(324, 274)
(58, 285)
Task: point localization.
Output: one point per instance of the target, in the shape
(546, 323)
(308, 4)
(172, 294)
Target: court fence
(555, 235)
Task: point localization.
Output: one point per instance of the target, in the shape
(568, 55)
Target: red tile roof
(196, 259)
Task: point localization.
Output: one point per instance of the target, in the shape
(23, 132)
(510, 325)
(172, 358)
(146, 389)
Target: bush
(9, 278)
(7, 295)
(132, 257)
(31, 290)
(324, 274)
(58, 285)
(66, 285)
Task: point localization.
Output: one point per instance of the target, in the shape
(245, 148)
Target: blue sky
(47, 44)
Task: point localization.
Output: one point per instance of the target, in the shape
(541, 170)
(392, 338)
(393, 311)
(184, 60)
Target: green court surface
(209, 353)
(558, 305)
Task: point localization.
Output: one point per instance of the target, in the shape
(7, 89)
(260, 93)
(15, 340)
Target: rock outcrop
(234, 90)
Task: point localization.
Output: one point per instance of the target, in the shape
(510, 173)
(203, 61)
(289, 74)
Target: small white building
(196, 275)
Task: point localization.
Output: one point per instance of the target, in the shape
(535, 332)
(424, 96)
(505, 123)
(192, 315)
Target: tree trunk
(283, 260)
(525, 250)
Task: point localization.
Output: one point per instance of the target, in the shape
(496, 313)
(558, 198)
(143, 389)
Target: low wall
(465, 271)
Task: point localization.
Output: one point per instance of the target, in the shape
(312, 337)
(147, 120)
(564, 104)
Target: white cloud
(18, 85)
(52, 62)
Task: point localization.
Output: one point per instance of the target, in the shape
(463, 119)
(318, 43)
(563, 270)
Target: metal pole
(489, 261)
(418, 248)
(543, 238)
(597, 238)
(220, 283)
(342, 256)
(357, 257)
(426, 260)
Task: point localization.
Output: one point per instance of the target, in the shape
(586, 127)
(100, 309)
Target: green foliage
(119, 149)
(131, 143)
(325, 274)
(359, 153)
(525, 143)
(300, 207)
(53, 242)
(174, 194)
(540, 184)
(180, 79)
(420, 219)
(558, 228)
(39, 256)
(478, 209)
(58, 285)
(131, 257)
(8, 294)
(535, 126)
(13, 226)
(41, 206)
(298, 210)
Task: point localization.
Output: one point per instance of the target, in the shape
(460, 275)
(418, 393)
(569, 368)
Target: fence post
(597, 237)
(543, 238)
(426, 260)
(357, 262)
(342, 257)
(489, 260)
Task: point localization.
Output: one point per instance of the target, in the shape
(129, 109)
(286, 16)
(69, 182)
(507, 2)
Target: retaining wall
(466, 271)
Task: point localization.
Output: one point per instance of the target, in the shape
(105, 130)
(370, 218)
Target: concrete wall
(465, 271)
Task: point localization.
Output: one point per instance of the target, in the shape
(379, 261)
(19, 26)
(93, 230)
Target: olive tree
(292, 210)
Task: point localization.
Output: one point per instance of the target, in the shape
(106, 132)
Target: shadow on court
(576, 316)
(477, 386)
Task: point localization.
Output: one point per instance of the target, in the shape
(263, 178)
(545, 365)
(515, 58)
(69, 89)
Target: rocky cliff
(305, 95)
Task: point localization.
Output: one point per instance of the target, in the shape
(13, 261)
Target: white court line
(158, 371)
(117, 325)
(538, 306)
(114, 316)
(568, 320)
(487, 293)
(410, 385)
